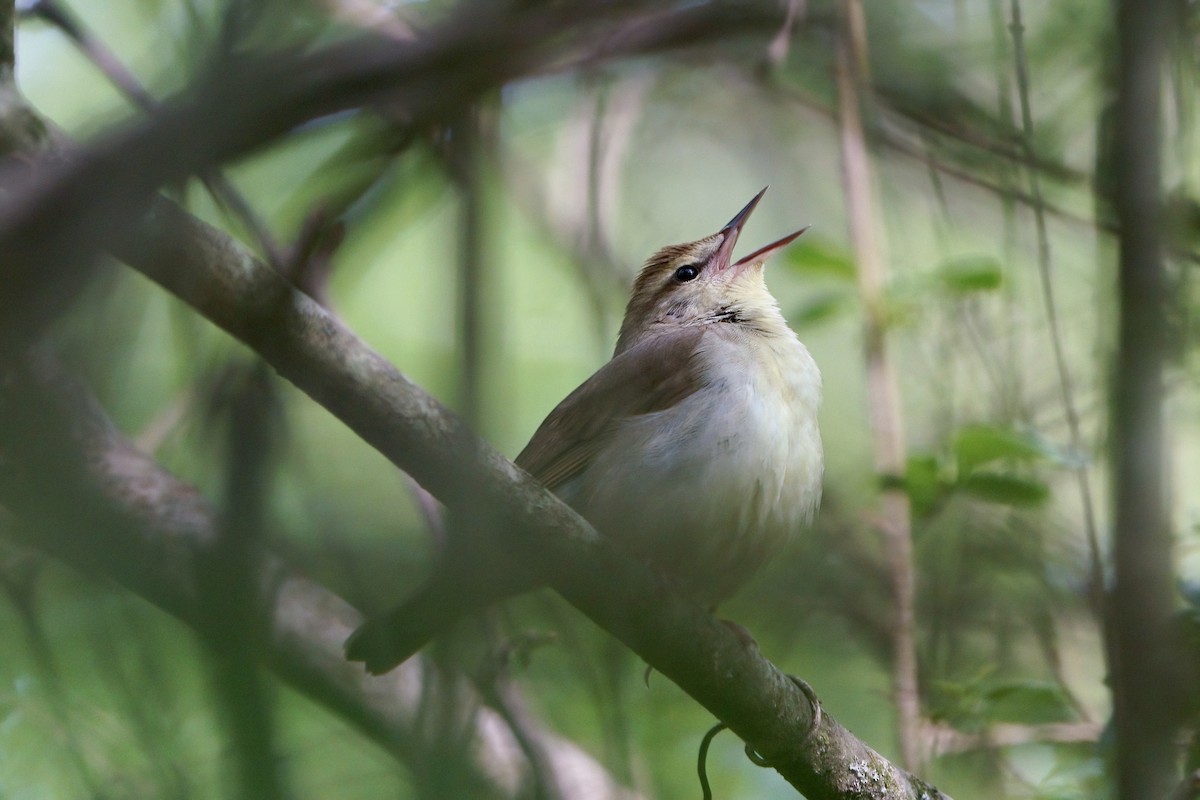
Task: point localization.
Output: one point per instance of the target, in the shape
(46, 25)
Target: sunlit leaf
(1012, 490)
(970, 274)
(923, 482)
(981, 444)
(1027, 703)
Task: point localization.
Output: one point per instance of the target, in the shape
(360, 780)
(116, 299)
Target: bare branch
(1066, 388)
(883, 391)
(57, 217)
(316, 352)
(111, 509)
(53, 227)
(7, 53)
(1144, 655)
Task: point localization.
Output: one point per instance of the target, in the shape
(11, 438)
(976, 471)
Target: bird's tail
(464, 586)
(385, 642)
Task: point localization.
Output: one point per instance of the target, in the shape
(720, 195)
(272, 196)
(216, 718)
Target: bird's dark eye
(687, 272)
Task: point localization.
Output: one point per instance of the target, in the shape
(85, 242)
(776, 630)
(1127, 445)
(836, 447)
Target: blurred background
(488, 255)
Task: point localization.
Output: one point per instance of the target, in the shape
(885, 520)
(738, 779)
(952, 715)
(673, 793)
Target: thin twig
(54, 13)
(503, 696)
(1074, 427)
(7, 38)
(229, 574)
(883, 394)
(219, 187)
(888, 138)
(1012, 392)
(19, 588)
(777, 50)
(466, 164)
(702, 759)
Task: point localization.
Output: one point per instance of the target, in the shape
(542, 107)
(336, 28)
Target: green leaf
(817, 256)
(1011, 490)
(1027, 703)
(970, 274)
(981, 444)
(924, 484)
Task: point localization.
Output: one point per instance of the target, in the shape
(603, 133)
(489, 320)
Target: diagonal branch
(58, 215)
(112, 509)
(311, 348)
(51, 230)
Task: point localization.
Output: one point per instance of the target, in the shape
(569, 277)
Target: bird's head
(699, 282)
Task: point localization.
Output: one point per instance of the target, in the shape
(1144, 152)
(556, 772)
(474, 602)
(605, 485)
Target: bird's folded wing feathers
(652, 376)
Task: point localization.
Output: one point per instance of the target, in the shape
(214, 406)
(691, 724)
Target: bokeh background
(556, 186)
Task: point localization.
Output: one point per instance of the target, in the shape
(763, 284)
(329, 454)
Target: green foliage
(986, 700)
(987, 462)
(970, 274)
(912, 298)
(976, 445)
(1012, 490)
(1027, 703)
(591, 172)
(925, 484)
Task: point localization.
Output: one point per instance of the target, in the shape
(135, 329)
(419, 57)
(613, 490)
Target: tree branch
(1143, 652)
(58, 216)
(1065, 387)
(95, 501)
(883, 391)
(52, 228)
(311, 348)
(7, 30)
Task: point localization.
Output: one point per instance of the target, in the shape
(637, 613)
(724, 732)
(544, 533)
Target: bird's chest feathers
(751, 433)
(711, 488)
(743, 452)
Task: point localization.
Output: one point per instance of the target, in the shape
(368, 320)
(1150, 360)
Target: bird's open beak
(763, 253)
(724, 254)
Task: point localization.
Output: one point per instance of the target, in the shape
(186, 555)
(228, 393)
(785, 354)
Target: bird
(696, 448)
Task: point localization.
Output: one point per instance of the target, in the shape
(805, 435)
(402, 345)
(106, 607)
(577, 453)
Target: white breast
(724, 479)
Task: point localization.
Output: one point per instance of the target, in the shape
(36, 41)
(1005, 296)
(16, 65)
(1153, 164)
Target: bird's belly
(710, 489)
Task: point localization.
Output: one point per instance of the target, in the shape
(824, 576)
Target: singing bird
(696, 448)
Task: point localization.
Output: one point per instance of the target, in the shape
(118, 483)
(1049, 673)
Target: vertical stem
(230, 589)
(20, 588)
(883, 395)
(1074, 427)
(1014, 376)
(1144, 673)
(470, 267)
(475, 139)
(8, 56)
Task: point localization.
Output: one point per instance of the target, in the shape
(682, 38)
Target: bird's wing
(651, 376)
